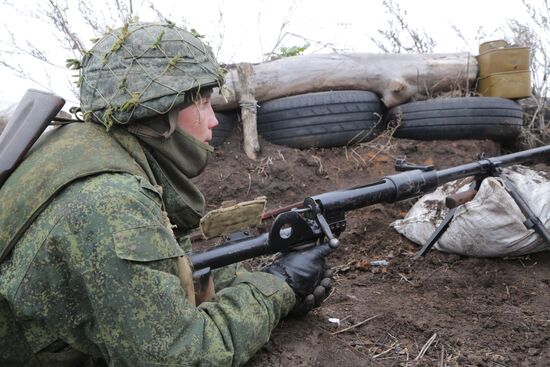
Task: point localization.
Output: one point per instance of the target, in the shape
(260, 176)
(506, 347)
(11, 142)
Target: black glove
(307, 274)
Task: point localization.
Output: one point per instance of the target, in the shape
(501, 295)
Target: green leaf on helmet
(174, 61)
(129, 104)
(87, 116)
(73, 64)
(157, 42)
(78, 81)
(108, 117)
(121, 38)
(195, 33)
(123, 84)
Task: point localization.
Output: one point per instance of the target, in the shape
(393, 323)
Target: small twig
(391, 336)
(345, 318)
(442, 359)
(330, 294)
(354, 152)
(320, 163)
(249, 184)
(405, 278)
(356, 325)
(386, 351)
(425, 347)
(381, 339)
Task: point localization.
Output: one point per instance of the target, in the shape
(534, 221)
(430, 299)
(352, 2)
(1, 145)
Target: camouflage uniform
(93, 271)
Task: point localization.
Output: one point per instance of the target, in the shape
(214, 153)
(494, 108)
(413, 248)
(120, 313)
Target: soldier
(97, 274)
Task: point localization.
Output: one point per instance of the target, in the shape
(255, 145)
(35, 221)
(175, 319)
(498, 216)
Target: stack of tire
(349, 117)
(325, 119)
(492, 118)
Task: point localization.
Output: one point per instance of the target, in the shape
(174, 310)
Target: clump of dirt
(444, 310)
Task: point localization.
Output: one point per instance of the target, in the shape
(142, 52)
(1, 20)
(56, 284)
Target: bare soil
(444, 310)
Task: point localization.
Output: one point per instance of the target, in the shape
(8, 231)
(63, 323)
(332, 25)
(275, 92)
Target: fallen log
(396, 78)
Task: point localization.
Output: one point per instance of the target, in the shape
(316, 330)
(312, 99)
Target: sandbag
(490, 225)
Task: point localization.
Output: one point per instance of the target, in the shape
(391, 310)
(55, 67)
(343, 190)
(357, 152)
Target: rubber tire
(492, 118)
(226, 124)
(324, 119)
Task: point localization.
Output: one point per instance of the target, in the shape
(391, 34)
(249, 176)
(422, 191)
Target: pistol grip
(204, 286)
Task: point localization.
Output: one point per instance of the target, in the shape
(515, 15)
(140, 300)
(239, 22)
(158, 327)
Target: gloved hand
(307, 274)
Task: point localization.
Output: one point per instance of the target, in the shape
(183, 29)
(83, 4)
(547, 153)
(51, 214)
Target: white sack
(491, 225)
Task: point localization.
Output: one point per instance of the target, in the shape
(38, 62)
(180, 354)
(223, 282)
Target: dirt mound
(444, 310)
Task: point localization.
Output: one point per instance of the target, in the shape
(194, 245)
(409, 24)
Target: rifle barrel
(413, 183)
(484, 166)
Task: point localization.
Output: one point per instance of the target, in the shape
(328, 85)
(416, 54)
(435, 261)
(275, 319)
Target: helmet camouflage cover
(142, 70)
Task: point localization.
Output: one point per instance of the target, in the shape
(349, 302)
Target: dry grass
(262, 167)
(381, 145)
(536, 126)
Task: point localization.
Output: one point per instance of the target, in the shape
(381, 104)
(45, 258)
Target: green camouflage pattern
(142, 70)
(95, 275)
(26, 193)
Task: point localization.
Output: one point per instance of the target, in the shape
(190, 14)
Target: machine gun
(321, 218)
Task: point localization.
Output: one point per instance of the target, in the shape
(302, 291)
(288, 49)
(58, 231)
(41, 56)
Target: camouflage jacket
(94, 274)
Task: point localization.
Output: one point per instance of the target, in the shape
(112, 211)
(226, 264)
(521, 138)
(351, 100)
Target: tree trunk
(396, 78)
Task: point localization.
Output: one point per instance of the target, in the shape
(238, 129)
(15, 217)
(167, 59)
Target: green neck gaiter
(174, 161)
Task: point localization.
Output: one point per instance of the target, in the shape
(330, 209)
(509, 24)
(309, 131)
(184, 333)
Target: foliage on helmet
(144, 69)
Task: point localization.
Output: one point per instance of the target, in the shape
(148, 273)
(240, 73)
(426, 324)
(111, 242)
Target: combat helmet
(142, 70)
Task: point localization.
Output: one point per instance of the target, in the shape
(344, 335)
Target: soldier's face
(198, 120)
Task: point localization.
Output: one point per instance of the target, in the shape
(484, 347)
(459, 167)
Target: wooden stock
(273, 213)
(460, 198)
(204, 286)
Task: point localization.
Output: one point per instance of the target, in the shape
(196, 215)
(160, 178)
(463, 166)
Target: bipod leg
(436, 234)
(531, 219)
